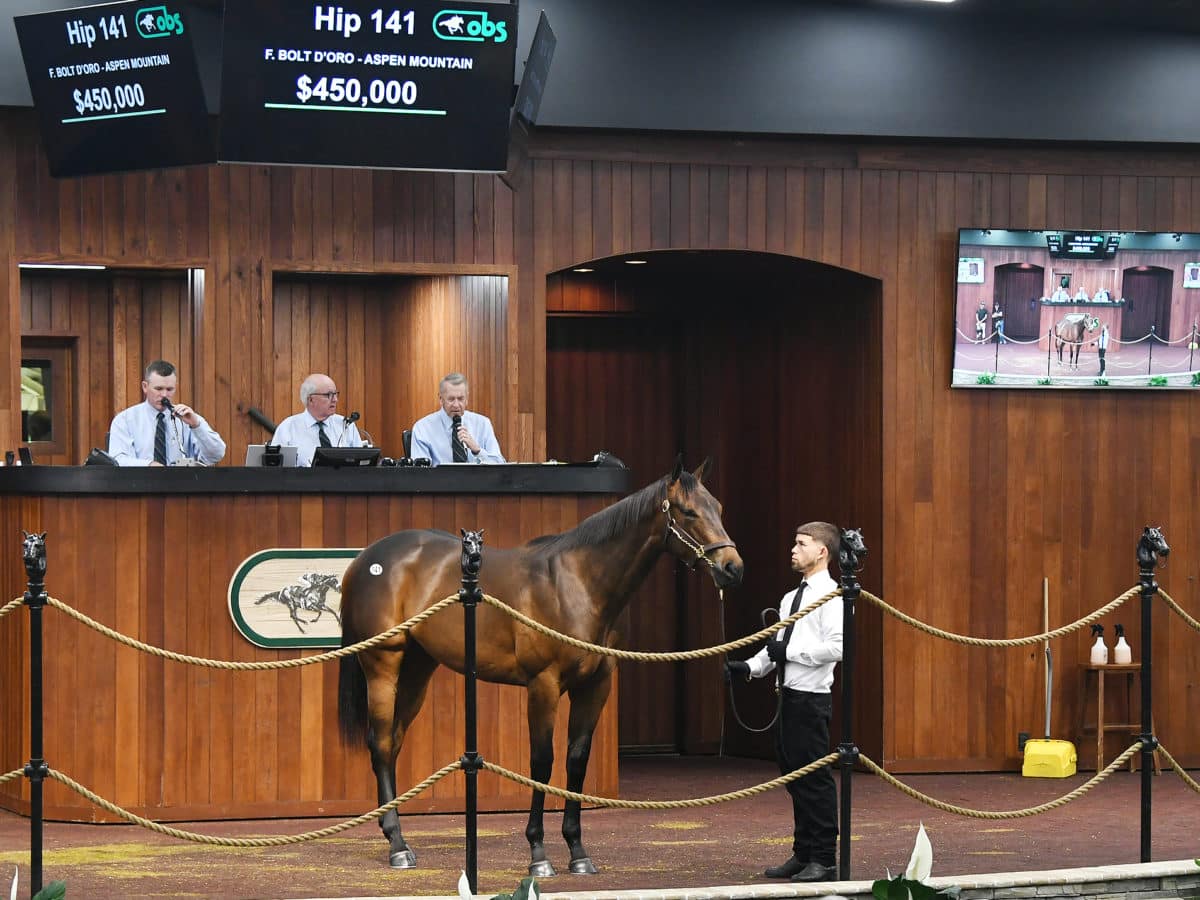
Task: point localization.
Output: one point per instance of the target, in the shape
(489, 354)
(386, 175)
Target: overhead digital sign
(116, 87)
(421, 86)
(1083, 244)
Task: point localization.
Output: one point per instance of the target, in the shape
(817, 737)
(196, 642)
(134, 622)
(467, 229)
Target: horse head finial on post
(33, 552)
(852, 550)
(1151, 549)
(472, 555)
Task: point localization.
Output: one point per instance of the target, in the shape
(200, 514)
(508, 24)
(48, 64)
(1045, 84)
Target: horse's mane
(613, 520)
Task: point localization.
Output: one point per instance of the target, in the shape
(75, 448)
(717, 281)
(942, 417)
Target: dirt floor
(728, 844)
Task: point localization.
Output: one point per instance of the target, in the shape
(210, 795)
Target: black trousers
(802, 737)
(1102, 352)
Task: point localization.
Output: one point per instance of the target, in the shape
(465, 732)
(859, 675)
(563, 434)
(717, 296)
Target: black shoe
(814, 871)
(786, 870)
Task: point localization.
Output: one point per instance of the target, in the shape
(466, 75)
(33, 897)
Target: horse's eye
(690, 513)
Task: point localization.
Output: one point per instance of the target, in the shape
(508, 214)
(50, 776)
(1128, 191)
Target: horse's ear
(678, 470)
(702, 469)
(464, 531)
(480, 532)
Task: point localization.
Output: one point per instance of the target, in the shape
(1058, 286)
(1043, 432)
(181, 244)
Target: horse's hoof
(542, 869)
(403, 859)
(582, 866)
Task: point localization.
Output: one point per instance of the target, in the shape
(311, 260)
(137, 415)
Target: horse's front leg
(587, 702)
(543, 707)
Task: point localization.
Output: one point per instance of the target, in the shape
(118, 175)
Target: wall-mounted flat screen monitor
(116, 87)
(421, 86)
(1101, 310)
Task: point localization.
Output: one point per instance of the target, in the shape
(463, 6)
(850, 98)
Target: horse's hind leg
(396, 683)
(543, 705)
(587, 702)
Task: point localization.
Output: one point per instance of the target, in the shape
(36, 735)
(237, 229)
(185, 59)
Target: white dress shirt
(431, 438)
(816, 643)
(301, 431)
(131, 438)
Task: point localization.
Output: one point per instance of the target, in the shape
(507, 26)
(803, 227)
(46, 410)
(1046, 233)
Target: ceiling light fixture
(635, 262)
(59, 266)
(583, 269)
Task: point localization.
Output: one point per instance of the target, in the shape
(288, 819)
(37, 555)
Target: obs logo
(468, 25)
(155, 21)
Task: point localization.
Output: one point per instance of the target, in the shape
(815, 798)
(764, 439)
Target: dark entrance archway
(769, 363)
(1147, 293)
(1018, 288)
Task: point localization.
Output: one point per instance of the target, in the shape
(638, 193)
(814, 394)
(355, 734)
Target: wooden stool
(1130, 671)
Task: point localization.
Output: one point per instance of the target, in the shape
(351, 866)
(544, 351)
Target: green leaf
(898, 888)
(527, 889)
(55, 890)
(879, 887)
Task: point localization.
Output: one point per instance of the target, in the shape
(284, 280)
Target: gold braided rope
(1002, 642)
(219, 841)
(1187, 779)
(1002, 814)
(10, 606)
(1179, 610)
(677, 656)
(9, 776)
(244, 666)
(663, 804)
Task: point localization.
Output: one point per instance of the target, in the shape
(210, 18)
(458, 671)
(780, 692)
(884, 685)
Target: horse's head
(694, 531)
(33, 552)
(472, 551)
(325, 580)
(852, 550)
(1151, 547)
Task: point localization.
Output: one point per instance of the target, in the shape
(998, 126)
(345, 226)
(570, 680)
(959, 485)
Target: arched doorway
(1147, 294)
(772, 365)
(1018, 289)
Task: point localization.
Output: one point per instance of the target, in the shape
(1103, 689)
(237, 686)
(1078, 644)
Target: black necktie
(322, 436)
(160, 440)
(795, 608)
(460, 452)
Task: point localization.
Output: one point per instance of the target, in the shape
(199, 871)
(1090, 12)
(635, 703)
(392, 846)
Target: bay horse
(577, 582)
(1070, 330)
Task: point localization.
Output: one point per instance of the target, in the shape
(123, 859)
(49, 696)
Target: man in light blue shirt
(319, 425)
(150, 434)
(434, 437)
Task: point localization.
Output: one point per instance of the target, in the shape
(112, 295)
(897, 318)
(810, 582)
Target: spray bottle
(1099, 650)
(1122, 654)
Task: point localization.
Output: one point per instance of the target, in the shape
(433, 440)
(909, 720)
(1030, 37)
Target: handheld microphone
(168, 406)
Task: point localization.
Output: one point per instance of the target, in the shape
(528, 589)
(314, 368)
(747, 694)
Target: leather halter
(701, 551)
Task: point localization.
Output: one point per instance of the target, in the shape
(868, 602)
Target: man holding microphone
(149, 434)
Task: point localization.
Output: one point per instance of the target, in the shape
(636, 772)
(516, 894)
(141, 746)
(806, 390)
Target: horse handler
(807, 652)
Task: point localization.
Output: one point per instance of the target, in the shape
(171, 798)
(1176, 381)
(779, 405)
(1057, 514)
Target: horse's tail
(352, 702)
(274, 595)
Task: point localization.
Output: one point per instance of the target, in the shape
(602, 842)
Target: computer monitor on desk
(346, 456)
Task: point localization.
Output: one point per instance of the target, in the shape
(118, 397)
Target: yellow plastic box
(1049, 759)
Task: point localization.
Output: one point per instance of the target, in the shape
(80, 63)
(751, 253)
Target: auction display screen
(116, 87)
(415, 86)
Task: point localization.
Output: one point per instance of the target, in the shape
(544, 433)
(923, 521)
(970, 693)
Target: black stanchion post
(1049, 349)
(1150, 547)
(850, 563)
(1192, 349)
(33, 551)
(470, 596)
(1150, 358)
(996, 338)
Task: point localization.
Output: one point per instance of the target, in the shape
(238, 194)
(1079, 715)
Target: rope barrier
(1179, 610)
(10, 606)
(252, 666)
(1001, 814)
(9, 776)
(644, 656)
(1002, 642)
(219, 841)
(1187, 779)
(794, 775)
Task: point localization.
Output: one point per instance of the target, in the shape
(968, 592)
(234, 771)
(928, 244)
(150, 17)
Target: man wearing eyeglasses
(319, 425)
